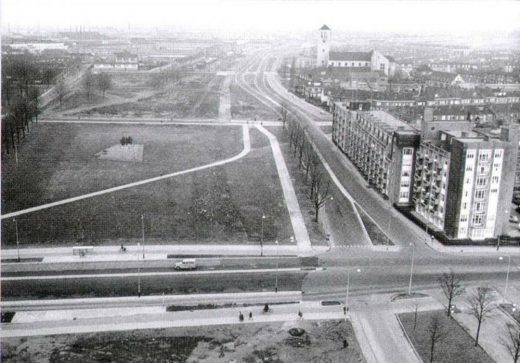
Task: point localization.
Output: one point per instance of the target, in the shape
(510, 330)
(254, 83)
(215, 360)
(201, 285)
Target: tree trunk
(478, 332)
(317, 209)
(431, 351)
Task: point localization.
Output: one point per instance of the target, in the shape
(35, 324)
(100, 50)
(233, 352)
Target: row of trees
(101, 81)
(481, 306)
(309, 162)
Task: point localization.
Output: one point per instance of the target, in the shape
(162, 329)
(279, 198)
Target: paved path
(244, 152)
(300, 231)
(152, 252)
(77, 321)
(224, 108)
(159, 122)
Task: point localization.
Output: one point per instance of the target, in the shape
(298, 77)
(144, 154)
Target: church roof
(351, 56)
(324, 27)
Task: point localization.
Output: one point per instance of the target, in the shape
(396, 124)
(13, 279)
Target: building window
(470, 156)
(481, 182)
(464, 205)
(477, 219)
(493, 191)
(498, 154)
(480, 194)
(479, 207)
(407, 151)
(404, 195)
(469, 168)
(464, 218)
(494, 179)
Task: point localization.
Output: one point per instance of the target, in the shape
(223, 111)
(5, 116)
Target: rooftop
(351, 56)
(390, 121)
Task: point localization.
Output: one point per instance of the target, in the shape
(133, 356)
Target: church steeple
(323, 48)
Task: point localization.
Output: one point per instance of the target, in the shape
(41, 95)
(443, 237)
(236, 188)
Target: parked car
(186, 264)
(513, 219)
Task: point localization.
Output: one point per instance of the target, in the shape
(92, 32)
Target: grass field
(248, 343)
(457, 346)
(222, 204)
(246, 107)
(196, 96)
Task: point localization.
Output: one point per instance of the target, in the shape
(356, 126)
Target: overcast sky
(269, 16)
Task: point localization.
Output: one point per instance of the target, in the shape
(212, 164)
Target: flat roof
(390, 120)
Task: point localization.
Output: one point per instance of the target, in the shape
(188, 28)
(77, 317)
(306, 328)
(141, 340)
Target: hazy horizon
(460, 18)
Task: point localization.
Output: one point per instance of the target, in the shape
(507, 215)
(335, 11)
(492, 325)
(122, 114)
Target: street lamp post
(277, 260)
(348, 288)
(507, 275)
(411, 269)
(262, 237)
(17, 239)
(138, 274)
(142, 232)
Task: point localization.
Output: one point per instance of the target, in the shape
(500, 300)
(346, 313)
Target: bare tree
(284, 113)
(416, 308)
(481, 307)
(320, 194)
(88, 83)
(61, 89)
(436, 334)
(451, 287)
(104, 82)
(512, 341)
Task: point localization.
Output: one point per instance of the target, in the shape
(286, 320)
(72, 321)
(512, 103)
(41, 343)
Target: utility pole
(142, 232)
(17, 239)
(262, 237)
(411, 270)
(277, 260)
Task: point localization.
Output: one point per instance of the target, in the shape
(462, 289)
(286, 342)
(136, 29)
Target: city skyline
(262, 17)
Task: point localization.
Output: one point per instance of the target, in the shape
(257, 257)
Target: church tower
(323, 48)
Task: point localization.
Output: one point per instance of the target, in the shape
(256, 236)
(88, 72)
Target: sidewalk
(300, 230)
(98, 320)
(152, 252)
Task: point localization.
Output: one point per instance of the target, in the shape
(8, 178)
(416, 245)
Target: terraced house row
(455, 179)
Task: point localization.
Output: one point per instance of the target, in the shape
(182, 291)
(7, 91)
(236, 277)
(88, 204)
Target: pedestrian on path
(300, 314)
(240, 316)
(250, 315)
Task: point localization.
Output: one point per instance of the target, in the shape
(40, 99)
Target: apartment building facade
(381, 146)
(458, 181)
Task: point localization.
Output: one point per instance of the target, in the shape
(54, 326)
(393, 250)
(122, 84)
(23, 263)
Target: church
(359, 61)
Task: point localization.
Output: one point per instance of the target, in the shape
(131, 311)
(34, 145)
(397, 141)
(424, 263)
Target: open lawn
(248, 343)
(59, 161)
(195, 96)
(457, 345)
(221, 204)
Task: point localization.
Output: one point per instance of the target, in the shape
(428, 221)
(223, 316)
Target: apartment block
(381, 146)
(457, 180)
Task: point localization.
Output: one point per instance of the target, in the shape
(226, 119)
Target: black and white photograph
(260, 181)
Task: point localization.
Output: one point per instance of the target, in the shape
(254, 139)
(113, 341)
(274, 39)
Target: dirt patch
(322, 341)
(131, 153)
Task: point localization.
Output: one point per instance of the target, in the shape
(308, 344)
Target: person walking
(300, 314)
(240, 316)
(250, 315)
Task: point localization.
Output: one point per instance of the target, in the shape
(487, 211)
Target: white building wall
(467, 192)
(494, 192)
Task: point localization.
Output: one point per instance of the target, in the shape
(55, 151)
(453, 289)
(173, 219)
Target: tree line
(20, 99)
(308, 161)
(481, 306)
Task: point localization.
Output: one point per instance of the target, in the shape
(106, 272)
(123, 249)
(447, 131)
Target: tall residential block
(456, 180)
